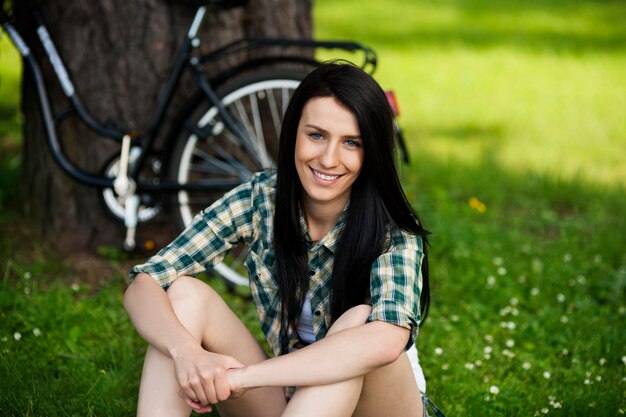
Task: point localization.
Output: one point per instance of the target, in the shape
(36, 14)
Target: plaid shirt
(246, 215)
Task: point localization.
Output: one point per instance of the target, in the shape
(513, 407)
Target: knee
(356, 316)
(190, 293)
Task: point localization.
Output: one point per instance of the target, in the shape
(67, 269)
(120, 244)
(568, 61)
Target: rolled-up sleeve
(206, 240)
(396, 285)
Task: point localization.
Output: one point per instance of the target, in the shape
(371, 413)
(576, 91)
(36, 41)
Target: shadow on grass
(562, 26)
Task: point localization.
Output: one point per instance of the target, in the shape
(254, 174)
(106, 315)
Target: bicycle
(225, 133)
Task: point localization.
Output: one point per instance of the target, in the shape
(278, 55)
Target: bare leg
(390, 390)
(202, 311)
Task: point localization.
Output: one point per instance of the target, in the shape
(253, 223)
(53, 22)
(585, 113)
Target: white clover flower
(75, 287)
(526, 366)
(624, 360)
(602, 361)
(469, 366)
(27, 275)
(27, 291)
(581, 279)
(445, 367)
(588, 381)
(557, 404)
(565, 352)
(508, 353)
(534, 291)
(545, 410)
(598, 378)
(564, 319)
(487, 356)
(514, 301)
(454, 318)
(510, 343)
(567, 257)
(438, 351)
(560, 298)
(17, 336)
(506, 310)
(510, 325)
(37, 332)
(502, 271)
(494, 390)
(498, 261)
(489, 338)
(487, 349)
(551, 399)
(491, 280)
(547, 375)
(514, 311)
(478, 362)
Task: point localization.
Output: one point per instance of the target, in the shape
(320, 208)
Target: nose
(330, 155)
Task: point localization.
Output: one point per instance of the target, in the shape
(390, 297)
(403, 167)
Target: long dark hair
(376, 199)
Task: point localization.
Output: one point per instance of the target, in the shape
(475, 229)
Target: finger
(233, 363)
(222, 387)
(197, 407)
(208, 390)
(186, 392)
(200, 393)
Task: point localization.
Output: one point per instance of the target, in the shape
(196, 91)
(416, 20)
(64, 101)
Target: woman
(338, 267)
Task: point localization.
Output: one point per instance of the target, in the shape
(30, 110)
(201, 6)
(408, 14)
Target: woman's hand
(202, 376)
(236, 382)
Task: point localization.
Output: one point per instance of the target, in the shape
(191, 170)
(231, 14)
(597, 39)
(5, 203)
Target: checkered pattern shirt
(246, 215)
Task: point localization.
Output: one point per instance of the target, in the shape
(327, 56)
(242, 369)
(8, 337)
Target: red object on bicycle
(391, 99)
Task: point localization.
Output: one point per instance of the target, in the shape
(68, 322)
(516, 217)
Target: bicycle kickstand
(125, 188)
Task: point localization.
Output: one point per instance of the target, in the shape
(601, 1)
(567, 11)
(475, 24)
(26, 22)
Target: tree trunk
(119, 54)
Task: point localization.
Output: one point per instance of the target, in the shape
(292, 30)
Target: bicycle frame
(184, 60)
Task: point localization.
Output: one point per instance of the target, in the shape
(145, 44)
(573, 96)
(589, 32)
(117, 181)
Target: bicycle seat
(222, 4)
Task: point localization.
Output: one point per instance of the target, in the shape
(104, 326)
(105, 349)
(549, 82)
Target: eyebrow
(326, 131)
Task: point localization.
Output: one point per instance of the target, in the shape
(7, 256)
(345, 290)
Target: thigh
(390, 391)
(205, 314)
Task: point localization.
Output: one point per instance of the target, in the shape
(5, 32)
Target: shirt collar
(332, 237)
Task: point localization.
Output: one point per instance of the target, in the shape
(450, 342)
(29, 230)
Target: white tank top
(305, 330)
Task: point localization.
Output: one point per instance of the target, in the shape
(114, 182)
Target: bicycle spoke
(260, 137)
(211, 164)
(276, 117)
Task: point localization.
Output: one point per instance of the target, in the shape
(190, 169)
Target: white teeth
(326, 177)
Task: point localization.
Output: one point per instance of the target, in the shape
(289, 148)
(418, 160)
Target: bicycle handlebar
(369, 56)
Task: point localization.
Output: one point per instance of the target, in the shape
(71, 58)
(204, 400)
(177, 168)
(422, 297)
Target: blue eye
(353, 143)
(315, 135)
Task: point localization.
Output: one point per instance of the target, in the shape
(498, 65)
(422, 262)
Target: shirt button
(311, 272)
(318, 313)
(257, 277)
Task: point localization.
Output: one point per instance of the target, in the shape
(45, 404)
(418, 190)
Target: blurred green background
(514, 113)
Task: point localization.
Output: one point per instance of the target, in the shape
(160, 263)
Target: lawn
(514, 116)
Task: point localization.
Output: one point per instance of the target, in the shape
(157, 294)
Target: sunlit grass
(514, 113)
(534, 87)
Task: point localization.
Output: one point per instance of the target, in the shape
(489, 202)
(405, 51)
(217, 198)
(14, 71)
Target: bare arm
(338, 357)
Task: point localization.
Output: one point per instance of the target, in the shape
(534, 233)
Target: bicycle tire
(205, 150)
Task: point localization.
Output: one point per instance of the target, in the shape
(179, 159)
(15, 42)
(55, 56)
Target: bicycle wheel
(208, 153)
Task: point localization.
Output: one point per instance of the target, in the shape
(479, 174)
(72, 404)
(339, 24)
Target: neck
(320, 218)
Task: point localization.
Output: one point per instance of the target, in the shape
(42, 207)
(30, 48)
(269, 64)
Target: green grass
(514, 115)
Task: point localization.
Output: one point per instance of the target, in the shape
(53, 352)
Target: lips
(324, 177)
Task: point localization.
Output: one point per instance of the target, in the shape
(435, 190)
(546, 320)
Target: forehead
(328, 113)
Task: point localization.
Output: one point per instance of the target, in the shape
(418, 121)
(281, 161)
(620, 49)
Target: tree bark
(119, 54)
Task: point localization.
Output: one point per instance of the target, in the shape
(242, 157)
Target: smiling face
(329, 154)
